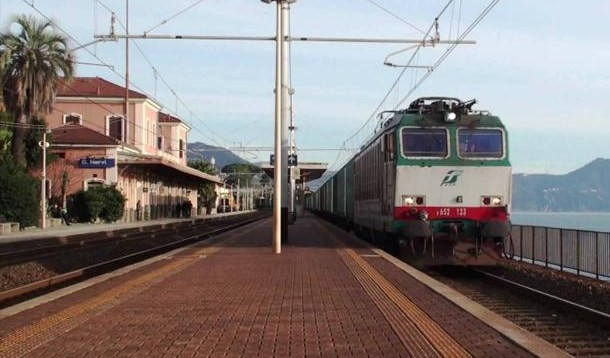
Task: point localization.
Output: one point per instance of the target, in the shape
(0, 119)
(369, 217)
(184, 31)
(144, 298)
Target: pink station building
(144, 155)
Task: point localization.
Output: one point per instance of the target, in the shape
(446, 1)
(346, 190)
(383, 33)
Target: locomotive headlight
(450, 116)
(491, 200)
(408, 200)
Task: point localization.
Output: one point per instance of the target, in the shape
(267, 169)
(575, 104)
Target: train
(433, 183)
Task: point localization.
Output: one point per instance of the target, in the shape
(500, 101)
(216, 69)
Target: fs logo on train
(451, 177)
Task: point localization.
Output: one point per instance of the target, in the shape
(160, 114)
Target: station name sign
(92, 162)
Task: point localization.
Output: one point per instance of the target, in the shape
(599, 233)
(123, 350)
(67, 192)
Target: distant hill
(221, 155)
(585, 189)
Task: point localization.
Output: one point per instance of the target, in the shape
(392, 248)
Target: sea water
(580, 221)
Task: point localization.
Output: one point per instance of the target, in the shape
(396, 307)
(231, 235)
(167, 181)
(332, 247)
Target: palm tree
(31, 61)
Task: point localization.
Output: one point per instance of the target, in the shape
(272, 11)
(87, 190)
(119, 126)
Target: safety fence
(582, 252)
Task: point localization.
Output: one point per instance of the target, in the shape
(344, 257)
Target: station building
(144, 155)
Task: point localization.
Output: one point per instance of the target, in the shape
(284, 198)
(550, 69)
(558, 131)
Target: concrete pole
(43, 187)
(285, 117)
(291, 125)
(293, 146)
(126, 109)
(277, 177)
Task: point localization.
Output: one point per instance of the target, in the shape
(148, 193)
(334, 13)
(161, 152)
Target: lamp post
(43, 187)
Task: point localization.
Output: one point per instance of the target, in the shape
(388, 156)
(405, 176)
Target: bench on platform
(10, 227)
(54, 222)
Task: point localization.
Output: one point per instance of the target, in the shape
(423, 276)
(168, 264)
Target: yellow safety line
(10, 344)
(434, 334)
(410, 336)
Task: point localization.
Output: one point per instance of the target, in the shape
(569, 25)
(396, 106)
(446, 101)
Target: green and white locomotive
(434, 181)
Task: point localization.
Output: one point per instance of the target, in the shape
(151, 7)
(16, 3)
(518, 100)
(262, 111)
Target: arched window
(73, 118)
(115, 127)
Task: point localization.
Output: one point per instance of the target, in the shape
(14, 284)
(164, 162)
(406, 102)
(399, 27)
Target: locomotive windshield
(424, 142)
(481, 143)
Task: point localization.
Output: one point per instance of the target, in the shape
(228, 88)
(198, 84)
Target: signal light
(486, 200)
(419, 200)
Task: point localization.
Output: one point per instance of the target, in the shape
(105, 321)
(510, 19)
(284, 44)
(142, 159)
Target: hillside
(585, 189)
(221, 155)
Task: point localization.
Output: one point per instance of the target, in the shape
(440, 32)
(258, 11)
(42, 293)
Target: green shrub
(114, 203)
(19, 195)
(104, 202)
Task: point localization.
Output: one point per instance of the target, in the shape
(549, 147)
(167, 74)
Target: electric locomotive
(433, 182)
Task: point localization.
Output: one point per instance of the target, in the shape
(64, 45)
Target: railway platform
(328, 294)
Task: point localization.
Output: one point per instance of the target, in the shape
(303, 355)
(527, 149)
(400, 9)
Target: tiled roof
(75, 134)
(168, 118)
(166, 165)
(93, 87)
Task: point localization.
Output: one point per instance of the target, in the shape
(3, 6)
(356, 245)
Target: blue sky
(543, 67)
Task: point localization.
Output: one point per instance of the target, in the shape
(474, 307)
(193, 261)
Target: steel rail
(108, 265)
(20, 256)
(593, 313)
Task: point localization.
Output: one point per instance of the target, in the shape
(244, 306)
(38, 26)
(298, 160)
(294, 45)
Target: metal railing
(582, 252)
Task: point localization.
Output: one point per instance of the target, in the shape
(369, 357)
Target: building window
(73, 118)
(115, 127)
(160, 143)
(181, 148)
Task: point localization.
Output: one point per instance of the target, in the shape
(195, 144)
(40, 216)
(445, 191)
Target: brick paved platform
(326, 295)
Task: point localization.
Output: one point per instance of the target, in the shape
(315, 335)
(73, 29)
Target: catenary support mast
(277, 193)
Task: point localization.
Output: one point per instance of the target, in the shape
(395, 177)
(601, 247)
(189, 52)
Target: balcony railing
(581, 252)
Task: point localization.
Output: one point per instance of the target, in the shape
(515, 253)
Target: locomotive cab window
(481, 143)
(424, 142)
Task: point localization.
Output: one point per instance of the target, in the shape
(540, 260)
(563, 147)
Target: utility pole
(238, 195)
(43, 186)
(126, 109)
(293, 151)
(286, 114)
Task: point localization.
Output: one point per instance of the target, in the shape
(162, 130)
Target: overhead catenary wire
(110, 67)
(179, 100)
(401, 74)
(174, 16)
(446, 54)
(394, 15)
(443, 57)
(388, 93)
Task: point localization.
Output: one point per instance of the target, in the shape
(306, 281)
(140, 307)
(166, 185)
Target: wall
(69, 164)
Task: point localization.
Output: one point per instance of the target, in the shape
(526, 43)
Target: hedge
(104, 202)
(19, 195)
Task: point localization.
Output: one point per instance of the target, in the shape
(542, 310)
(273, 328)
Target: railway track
(76, 261)
(580, 331)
